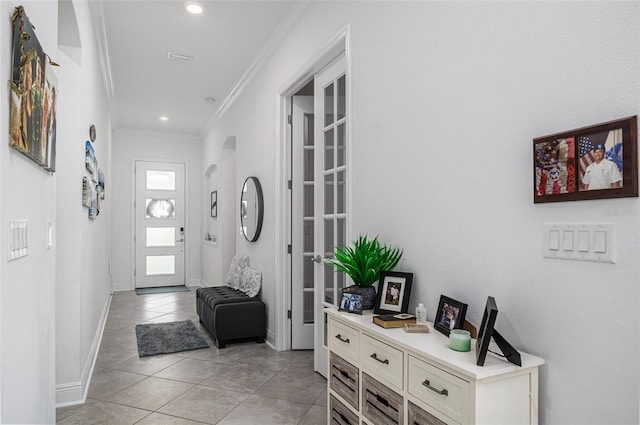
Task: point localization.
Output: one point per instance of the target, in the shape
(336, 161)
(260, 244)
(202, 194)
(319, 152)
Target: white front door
(302, 237)
(159, 224)
(330, 195)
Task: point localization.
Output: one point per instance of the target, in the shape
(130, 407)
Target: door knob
(180, 240)
(317, 259)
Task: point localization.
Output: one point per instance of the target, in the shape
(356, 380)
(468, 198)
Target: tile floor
(245, 383)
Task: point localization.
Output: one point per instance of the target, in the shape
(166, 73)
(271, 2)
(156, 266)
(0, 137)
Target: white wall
(446, 98)
(128, 146)
(83, 283)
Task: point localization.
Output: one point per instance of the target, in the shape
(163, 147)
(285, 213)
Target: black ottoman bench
(230, 314)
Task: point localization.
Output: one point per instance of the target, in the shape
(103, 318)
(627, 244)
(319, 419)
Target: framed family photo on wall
(394, 289)
(596, 162)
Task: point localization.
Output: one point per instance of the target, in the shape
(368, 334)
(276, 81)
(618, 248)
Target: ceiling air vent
(178, 57)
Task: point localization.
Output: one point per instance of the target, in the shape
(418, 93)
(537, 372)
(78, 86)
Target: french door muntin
(330, 226)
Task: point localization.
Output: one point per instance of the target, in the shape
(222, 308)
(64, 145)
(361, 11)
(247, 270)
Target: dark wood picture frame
(394, 290)
(450, 315)
(214, 203)
(561, 161)
(351, 302)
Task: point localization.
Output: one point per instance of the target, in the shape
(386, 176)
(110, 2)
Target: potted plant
(363, 262)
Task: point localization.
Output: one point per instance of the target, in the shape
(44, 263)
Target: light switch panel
(580, 241)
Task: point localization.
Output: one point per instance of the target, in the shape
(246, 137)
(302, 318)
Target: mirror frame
(260, 211)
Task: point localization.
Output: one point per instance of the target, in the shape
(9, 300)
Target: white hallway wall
(447, 97)
(29, 294)
(128, 146)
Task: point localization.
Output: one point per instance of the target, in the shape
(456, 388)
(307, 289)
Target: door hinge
(289, 184)
(289, 119)
(289, 314)
(289, 249)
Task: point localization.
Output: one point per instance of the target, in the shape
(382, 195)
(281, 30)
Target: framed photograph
(450, 315)
(214, 203)
(351, 302)
(596, 162)
(394, 289)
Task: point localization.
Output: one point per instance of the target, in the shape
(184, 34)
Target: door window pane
(308, 236)
(161, 208)
(161, 180)
(328, 194)
(308, 130)
(328, 105)
(161, 264)
(328, 150)
(308, 165)
(307, 307)
(342, 98)
(329, 243)
(308, 200)
(341, 157)
(307, 272)
(341, 192)
(161, 236)
(329, 273)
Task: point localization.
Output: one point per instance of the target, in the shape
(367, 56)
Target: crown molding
(296, 11)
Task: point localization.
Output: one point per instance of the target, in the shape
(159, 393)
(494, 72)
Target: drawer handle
(344, 373)
(443, 391)
(374, 356)
(341, 339)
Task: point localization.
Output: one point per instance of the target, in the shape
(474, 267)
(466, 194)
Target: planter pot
(368, 295)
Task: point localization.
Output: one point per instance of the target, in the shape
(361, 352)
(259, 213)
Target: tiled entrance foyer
(245, 383)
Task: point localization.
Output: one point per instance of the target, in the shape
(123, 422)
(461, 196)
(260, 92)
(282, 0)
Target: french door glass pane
(329, 273)
(308, 165)
(341, 192)
(161, 236)
(307, 266)
(342, 98)
(161, 180)
(328, 105)
(308, 200)
(328, 194)
(308, 236)
(160, 264)
(160, 208)
(308, 129)
(341, 157)
(307, 301)
(328, 150)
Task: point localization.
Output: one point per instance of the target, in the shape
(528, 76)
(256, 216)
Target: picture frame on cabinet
(394, 290)
(351, 302)
(450, 315)
(595, 162)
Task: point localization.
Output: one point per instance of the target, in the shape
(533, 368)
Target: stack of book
(394, 320)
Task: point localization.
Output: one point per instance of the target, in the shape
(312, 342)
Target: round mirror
(251, 209)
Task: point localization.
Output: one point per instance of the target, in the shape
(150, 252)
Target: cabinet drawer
(384, 361)
(419, 416)
(442, 390)
(380, 404)
(344, 340)
(340, 414)
(344, 379)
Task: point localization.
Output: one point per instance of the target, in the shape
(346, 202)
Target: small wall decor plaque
(595, 162)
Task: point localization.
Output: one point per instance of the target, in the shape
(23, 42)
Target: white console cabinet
(383, 376)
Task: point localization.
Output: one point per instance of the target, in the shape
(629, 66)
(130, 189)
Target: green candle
(460, 340)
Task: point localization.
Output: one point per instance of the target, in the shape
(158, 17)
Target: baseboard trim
(72, 393)
(271, 338)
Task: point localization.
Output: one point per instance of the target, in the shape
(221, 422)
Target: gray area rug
(172, 337)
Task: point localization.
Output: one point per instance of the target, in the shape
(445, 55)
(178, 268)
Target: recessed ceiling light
(194, 7)
(164, 118)
(178, 56)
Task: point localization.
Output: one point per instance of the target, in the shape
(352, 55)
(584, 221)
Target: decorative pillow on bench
(250, 282)
(236, 268)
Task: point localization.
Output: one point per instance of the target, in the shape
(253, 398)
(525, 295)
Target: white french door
(159, 224)
(302, 237)
(330, 195)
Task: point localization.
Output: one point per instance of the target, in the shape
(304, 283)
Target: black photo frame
(394, 290)
(351, 302)
(450, 315)
(214, 203)
(487, 331)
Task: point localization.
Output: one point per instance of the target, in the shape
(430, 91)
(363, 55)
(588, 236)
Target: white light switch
(554, 240)
(567, 240)
(583, 241)
(600, 241)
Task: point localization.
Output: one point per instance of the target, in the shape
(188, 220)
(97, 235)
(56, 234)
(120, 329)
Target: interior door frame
(337, 45)
(132, 242)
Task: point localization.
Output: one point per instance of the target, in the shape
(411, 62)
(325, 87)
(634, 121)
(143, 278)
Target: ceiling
(223, 42)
